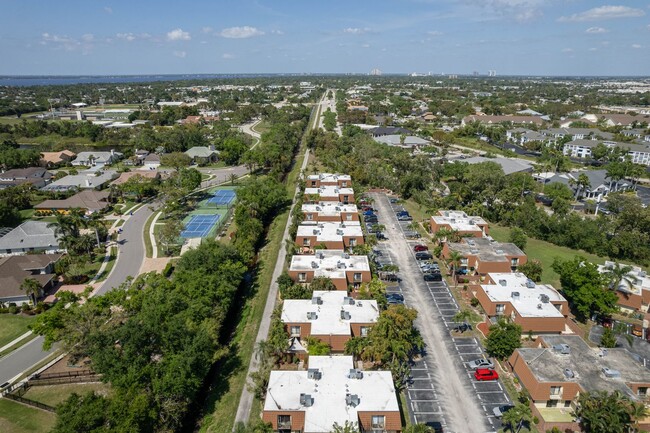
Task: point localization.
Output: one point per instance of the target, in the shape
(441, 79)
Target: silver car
(500, 410)
(480, 363)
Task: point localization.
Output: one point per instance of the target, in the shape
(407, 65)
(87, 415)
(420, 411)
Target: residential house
(389, 130)
(640, 134)
(29, 237)
(562, 367)
(151, 162)
(538, 308)
(139, 156)
(407, 141)
(202, 155)
(599, 184)
(343, 269)
(633, 290)
(481, 256)
(626, 120)
(87, 179)
(38, 177)
(494, 120)
(460, 222)
(330, 211)
(89, 200)
(330, 316)
(125, 176)
(331, 235)
(329, 179)
(331, 391)
(521, 136)
(15, 269)
(329, 193)
(97, 158)
(509, 165)
(56, 159)
(577, 134)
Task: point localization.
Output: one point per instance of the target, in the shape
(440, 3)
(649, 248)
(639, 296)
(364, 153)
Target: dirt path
(458, 401)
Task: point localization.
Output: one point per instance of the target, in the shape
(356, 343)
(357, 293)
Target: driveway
(441, 391)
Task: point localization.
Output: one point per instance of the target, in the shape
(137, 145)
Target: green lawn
(545, 252)
(13, 326)
(147, 239)
(52, 395)
(109, 266)
(26, 214)
(18, 418)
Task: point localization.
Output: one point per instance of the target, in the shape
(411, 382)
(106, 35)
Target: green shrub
(474, 302)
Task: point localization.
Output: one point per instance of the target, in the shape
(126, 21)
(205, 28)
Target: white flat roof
(328, 313)
(459, 220)
(637, 276)
(375, 390)
(330, 208)
(329, 177)
(329, 191)
(529, 303)
(329, 263)
(330, 231)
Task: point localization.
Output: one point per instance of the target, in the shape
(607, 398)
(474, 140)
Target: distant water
(51, 80)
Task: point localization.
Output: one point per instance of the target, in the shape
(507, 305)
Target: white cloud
(178, 35)
(434, 33)
(241, 32)
(180, 54)
(637, 46)
(88, 37)
(521, 10)
(567, 50)
(596, 30)
(60, 41)
(604, 13)
(365, 46)
(593, 49)
(227, 56)
(126, 36)
(356, 30)
(108, 10)
(277, 32)
(207, 29)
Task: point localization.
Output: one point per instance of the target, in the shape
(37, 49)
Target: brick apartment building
(482, 256)
(329, 193)
(343, 269)
(329, 179)
(330, 211)
(633, 291)
(459, 222)
(331, 235)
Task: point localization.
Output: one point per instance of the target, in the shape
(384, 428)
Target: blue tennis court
(199, 226)
(222, 197)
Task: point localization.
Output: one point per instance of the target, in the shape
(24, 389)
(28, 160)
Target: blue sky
(545, 37)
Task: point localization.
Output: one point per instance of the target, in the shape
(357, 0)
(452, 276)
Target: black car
(372, 220)
(463, 327)
(423, 255)
(433, 277)
(395, 298)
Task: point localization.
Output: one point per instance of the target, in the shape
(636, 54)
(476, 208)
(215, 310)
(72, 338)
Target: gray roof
(395, 140)
(201, 152)
(509, 165)
(85, 179)
(486, 250)
(548, 365)
(100, 156)
(30, 234)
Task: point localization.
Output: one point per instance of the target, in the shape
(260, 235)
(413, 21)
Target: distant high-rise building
(376, 72)
(492, 73)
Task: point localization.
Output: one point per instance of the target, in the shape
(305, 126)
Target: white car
(480, 363)
(500, 410)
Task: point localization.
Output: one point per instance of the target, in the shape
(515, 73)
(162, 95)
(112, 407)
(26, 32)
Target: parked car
(371, 219)
(368, 208)
(463, 327)
(423, 255)
(483, 374)
(637, 331)
(480, 363)
(393, 200)
(420, 247)
(500, 410)
(433, 277)
(394, 295)
(380, 236)
(404, 218)
(368, 212)
(410, 234)
(395, 300)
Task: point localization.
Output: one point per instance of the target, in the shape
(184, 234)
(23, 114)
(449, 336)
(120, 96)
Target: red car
(419, 248)
(485, 374)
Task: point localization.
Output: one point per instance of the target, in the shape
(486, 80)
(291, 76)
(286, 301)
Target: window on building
(348, 217)
(295, 331)
(642, 391)
(313, 183)
(353, 242)
(556, 390)
(302, 277)
(357, 276)
(378, 422)
(346, 199)
(310, 217)
(284, 422)
(567, 403)
(344, 183)
(551, 403)
(364, 331)
(514, 262)
(501, 308)
(306, 242)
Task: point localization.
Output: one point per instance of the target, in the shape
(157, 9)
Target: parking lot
(428, 392)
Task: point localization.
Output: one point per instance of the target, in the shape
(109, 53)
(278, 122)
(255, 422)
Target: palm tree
(348, 427)
(581, 183)
(517, 416)
(419, 428)
(638, 411)
(233, 178)
(618, 273)
(454, 261)
(31, 287)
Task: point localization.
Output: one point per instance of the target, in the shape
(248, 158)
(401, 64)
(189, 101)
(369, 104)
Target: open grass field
(13, 326)
(52, 395)
(18, 418)
(545, 252)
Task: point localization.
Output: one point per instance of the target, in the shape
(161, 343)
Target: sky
(513, 37)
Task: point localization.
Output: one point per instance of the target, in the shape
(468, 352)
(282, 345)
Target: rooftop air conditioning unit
(311, 315)
(315, 231)
(340, 265)
(339, 232)
(569, 374)
(539, 306)
(355, 374)
(515, 296)
(314, 265)
(345, 315)
(564, 349)
(499, 251)
(314, 373)
(503, 283)
(336, 208)
(348, 300)
(321, 255)
(317, 300)
(306, 400)
(346, 256)
(318, 208)
(544, 298)
(352, 400)
(530, 284)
